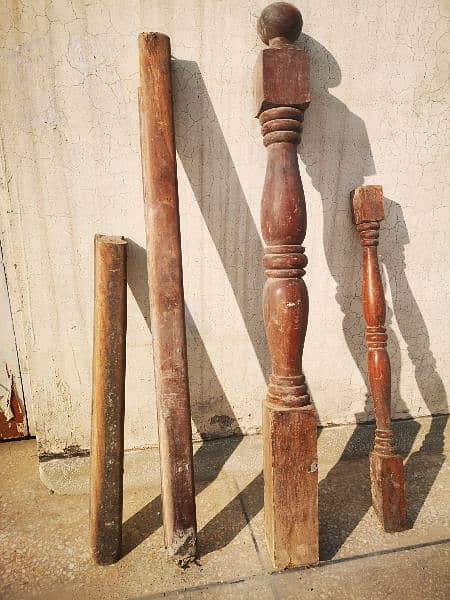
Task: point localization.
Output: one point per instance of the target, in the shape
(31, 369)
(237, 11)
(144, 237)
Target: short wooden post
(386, 467)
(290, 421)
(166, 296)
(108, 398)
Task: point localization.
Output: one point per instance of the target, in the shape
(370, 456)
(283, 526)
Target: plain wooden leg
(165, 278)
(290, 486)
(108, 398)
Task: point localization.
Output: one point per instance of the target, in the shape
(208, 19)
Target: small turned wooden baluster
(290, 421)
(386, 466)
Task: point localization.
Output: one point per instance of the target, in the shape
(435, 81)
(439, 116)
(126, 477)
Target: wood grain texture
(108, 398)
(290, 423)
(386, 467)
(388, 491)
(166, 296)
(290, 485)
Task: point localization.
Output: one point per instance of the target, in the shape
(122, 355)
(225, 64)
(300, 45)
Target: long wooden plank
(166, 296)
(108, 398)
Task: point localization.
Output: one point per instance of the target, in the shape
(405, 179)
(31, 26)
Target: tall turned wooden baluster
(386, 467)
(290, 422)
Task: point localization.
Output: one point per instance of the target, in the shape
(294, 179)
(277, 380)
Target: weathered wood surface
(386, 467)
(166, 296)
(290, 422)
(108, 398)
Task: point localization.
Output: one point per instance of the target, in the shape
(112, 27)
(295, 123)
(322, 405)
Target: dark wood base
(388, 491)
(290, 486)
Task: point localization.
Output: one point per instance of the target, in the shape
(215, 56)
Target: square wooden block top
(282, 78)
(367, 204)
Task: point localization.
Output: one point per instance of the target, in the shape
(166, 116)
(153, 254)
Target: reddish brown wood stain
(166, 296)
(290, 422)
(386, 467)
(108, 398)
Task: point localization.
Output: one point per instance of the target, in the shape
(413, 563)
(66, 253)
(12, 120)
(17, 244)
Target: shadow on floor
(337, 161)
(344, 494)
(215, 183)
(208, 461)
(232, 519)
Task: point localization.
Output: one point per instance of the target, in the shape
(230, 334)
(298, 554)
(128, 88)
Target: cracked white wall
(71, 168)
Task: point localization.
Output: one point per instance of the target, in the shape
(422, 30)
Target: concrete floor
(44, 535)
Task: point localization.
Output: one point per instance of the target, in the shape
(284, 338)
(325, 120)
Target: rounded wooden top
(280, 21)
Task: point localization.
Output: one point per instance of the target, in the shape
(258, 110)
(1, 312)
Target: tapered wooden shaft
(166, 296)
(290, 423)
(108, 398)
(386, 467)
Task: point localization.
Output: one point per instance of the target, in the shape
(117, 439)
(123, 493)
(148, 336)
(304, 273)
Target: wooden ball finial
(280, 21)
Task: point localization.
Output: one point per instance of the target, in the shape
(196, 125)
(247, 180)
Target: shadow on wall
(414, 331)
(208, 164)
(336, 153)
(209, 167)
(207, 461)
